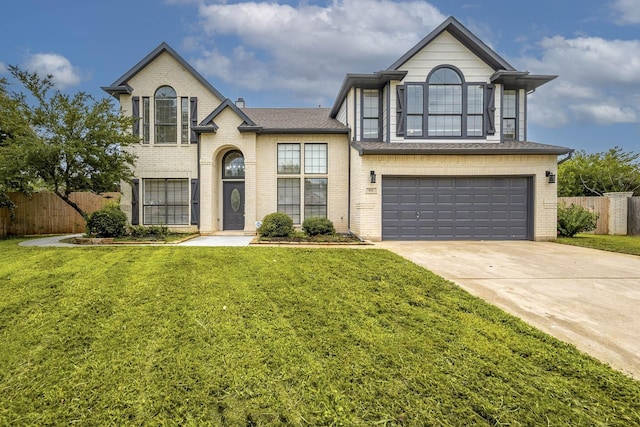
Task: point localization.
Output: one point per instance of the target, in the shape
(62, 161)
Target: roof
(294, 120)
(521, 79)
(442, 148)
(368, 81)
(464, 36)
(120, 86)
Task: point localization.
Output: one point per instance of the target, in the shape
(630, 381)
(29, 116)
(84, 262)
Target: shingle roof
(479, 148)
(294, 120)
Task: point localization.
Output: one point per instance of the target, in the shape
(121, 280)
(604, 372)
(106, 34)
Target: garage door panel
(456, 208)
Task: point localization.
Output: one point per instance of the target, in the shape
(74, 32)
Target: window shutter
(194, 119)
(195, 202)
(490, 110)
(135, 204)
(135, 112)
(400, 110)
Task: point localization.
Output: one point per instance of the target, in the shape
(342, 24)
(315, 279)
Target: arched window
(233, 165)
(166, 112)
(445, 103)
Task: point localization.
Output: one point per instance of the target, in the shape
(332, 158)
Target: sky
(296, 53)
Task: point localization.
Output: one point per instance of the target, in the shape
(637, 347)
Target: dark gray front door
(456, 208)
(233, 205)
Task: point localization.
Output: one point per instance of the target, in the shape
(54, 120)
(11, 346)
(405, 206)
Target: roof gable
(121, 86)
(208, 124)
(464, 36)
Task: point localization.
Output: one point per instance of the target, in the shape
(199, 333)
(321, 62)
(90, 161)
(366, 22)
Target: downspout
(199, 184)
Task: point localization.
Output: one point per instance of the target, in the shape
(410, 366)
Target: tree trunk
(74, 205)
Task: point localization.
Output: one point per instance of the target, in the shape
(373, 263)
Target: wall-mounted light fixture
(551, 176)
(372, 176)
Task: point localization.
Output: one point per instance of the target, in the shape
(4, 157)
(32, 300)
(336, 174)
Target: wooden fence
(46, 213)
(599, 205)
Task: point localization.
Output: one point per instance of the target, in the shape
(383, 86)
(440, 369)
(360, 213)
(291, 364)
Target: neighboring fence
(46, 213)
(633, 217)
(601, 205)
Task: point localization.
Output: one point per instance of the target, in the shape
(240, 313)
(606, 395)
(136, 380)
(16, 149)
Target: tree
(599, 173)
(76, 142)
(14, 129)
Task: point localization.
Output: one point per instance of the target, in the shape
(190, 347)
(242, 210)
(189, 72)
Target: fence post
(633, 216)
(618, 207)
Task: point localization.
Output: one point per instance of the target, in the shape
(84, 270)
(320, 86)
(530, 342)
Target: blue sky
(296, 53)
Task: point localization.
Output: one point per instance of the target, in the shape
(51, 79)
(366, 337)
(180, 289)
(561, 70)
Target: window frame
(364, 116)
(514, 117)
(424, 116)
(300, 182)
(184, 203)
(159, 115)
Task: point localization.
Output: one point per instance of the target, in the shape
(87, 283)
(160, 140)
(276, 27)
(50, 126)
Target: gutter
(569, 155)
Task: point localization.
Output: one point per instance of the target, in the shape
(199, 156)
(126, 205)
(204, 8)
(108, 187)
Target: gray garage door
(456, 208)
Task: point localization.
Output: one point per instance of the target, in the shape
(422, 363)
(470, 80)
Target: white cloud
(309, 48)
(64, 74)
(627, 11)
(597, 83)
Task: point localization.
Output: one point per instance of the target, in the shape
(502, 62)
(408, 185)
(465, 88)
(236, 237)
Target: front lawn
(276, 336)
(623, 244)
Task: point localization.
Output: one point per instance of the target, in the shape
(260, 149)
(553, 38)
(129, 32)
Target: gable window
(166, 112)
(302, 188)
(509, 113)
(166, 201)
(370, 114)
(445, 106)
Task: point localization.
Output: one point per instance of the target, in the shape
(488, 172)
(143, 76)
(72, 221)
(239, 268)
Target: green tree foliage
(599, 173)
(71, 143)
(14, 129)
(574, 219)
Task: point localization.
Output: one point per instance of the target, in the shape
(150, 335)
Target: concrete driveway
(587, 297)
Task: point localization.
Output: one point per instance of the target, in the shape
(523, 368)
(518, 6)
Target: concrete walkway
(587, 297)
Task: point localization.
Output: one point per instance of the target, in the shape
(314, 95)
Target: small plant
(154, 232)
(107, 222)
(318, 226)
(276, 224)
(575, 219)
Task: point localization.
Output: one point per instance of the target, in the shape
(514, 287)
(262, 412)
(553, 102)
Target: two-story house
(433, 147)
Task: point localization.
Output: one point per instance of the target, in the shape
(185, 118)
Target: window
(315, 158)
(184, 119)
(370, 114)
(445, 103)
(454, 108)
(233, 165)
(166, 116)
(315, 197)
(509, 114)
(289, 158)
(166, 201)
(289, 197)
(415, 109)
(290, 190)
(145, 120)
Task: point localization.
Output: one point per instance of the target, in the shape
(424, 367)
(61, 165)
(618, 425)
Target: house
(433, 147)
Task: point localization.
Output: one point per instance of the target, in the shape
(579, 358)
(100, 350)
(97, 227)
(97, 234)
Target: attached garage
(457, 208)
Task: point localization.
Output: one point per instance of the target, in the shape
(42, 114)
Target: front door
(233, 205)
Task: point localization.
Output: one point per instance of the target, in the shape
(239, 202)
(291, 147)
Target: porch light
(372, 176)
(551, 176)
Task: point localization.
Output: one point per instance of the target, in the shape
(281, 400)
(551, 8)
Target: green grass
(276, 336)
(623, 244)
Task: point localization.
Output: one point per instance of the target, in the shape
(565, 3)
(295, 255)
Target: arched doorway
(233, 191)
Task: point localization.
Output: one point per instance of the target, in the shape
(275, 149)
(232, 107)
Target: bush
(575, 219)
(107, 222)
(318, 226)
(276, 224)
(155, 232)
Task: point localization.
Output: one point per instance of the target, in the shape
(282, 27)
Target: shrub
(318, 226)
(575, 219)
(276, 224)
(156, 232)
(107, 222)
